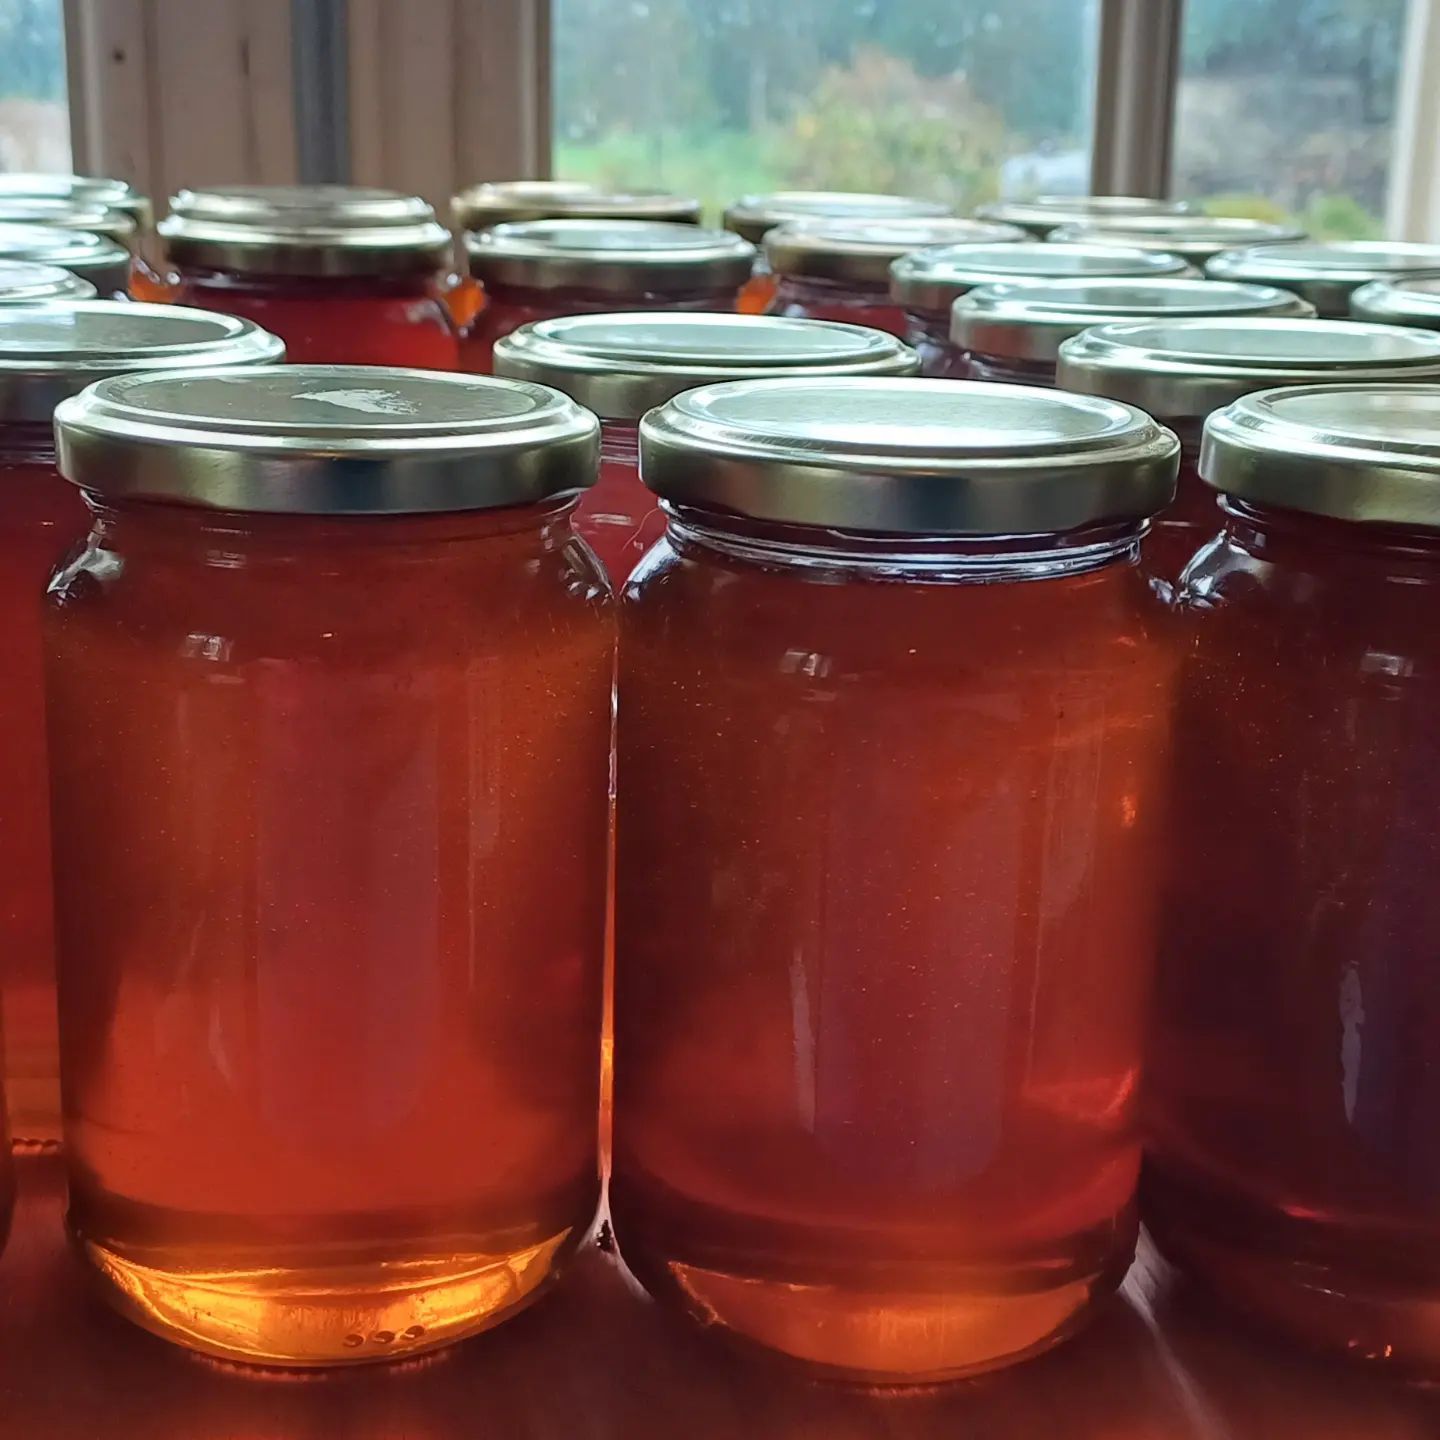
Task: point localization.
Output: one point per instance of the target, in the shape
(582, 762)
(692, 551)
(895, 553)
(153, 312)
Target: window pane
(34, 118)
(958, 100)
(1287, 109)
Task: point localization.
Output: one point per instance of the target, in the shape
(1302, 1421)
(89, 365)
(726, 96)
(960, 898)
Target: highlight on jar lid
(622, 365)
(51, 351)
(1029, 319)
(25, 283)
(1196, 238)
(315, 230)
(862, 251)
(1041, 214)
(1326, 273)
(498, 202)
(614, 257)
(91, 190)
(754, 216)
(104, 263)
(934, 279)
(327, 440)
(1364, 453)
(1399, 302)
(908, 457)
(1184, 369)
(86, 215)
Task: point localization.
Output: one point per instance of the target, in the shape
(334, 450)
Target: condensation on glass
(329, 711)
(883, 900)
(1197, 239)
(537, 270)
(1399, 302)
(343, 274)
(24, 282)
(620, 366)
(48, 352)
(1293, 1098)
(101, 262)
(1040, 214)
(926, 284)
(1183, 370)
(1326, 274)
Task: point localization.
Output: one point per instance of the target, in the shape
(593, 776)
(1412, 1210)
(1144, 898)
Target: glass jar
(25, 283)
(1196, 239)
(48, 352)
(927, 284)
(106, 194)
(1013, 331)
(540, 269)
(840, 269)
(1399, 302)
(752, 217)
(330, 694)
(343, 274)
(88, 216)
(1293, 1101)
(1183, 370)
(620, 366)
(1326, 274)
(103, 263)
(1040, 214)
(882, 1117)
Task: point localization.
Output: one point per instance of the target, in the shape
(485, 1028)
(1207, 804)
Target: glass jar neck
(1279, 535)
(931, 325)
(830, 291)
(413, 283)
(27, 442)
(620, 442)
(1003, 368)
(555, 300)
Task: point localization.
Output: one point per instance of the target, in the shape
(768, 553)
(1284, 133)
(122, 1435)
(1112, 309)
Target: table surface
(596, 1360)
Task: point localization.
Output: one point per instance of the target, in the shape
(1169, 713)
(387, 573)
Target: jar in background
(1196, 239)
(1293, 1098)
(88, 216)
(23, 282)
(1182, 370)
(1399, 302)
(883, 926)
(927, 283)
(1326, 273)
(620, 366)
(1040, 214)
(539, 269)
(343, 274)
(103, 263)
(48, 352)
(329, 705)
(97, 192)
(1014, 331)
(840, 269)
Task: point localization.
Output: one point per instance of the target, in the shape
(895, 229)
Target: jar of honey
(1327, 273)
(1399, 302)
(23, 282)
(883, 932)
(48, 352)
(100, 262)
(1183, 370)
(1013, 331)
(1293, 1098)
(330, 695)
(620, 366)
(1040, 214)
(840, 269)
(539, 269)
(926, 284)
(343, 274)
(1196, 239)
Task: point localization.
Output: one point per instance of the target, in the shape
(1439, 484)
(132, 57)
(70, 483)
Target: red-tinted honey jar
(1326, 273)
(343, 274)
(1040, 214)
(1196, 239)
(49, 352)
(1293, 1098)
(1399, 302)
(539, 269)
(23, 282)
(1183, 370)
(891, 742)
(98, 261)
(329, 718)
(840, 269)
(620, 366)
(926, 284)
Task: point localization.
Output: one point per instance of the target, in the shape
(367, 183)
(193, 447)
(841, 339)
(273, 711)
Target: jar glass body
(806, 298)
(929, 336)
(1009, 371)
(1191, 519)
(331, 916)
(41, 517)
(619, 518)
(1293, 1097)
(883, 938)
(335, 320)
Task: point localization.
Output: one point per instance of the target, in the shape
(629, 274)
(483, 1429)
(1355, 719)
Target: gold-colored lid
(1041, 214)
(1399, 302)
(1195, 238)
(753, 216)
(85, 190)
(908, 457)
(862, 251)
(25, 283)
(89, 216)
(1327, 273)
(105, 264)
(327, 440)
(498, 202)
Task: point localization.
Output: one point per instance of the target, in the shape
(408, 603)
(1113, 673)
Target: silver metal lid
(908, 457)
(862, 251)
(1043, 213)
(49, 352)
(91, 190)
(25, 283)
(104, 263)
(499, 202)
(611, 257)
(1368, 453)
(327, 440)
(1328, 273)
(1399, 302)
(1196, 238)
(753, 216)
(934, 279)
(1184, 369)
(314, 230)
(1029, 319)
(89, 216)
(620, 366)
